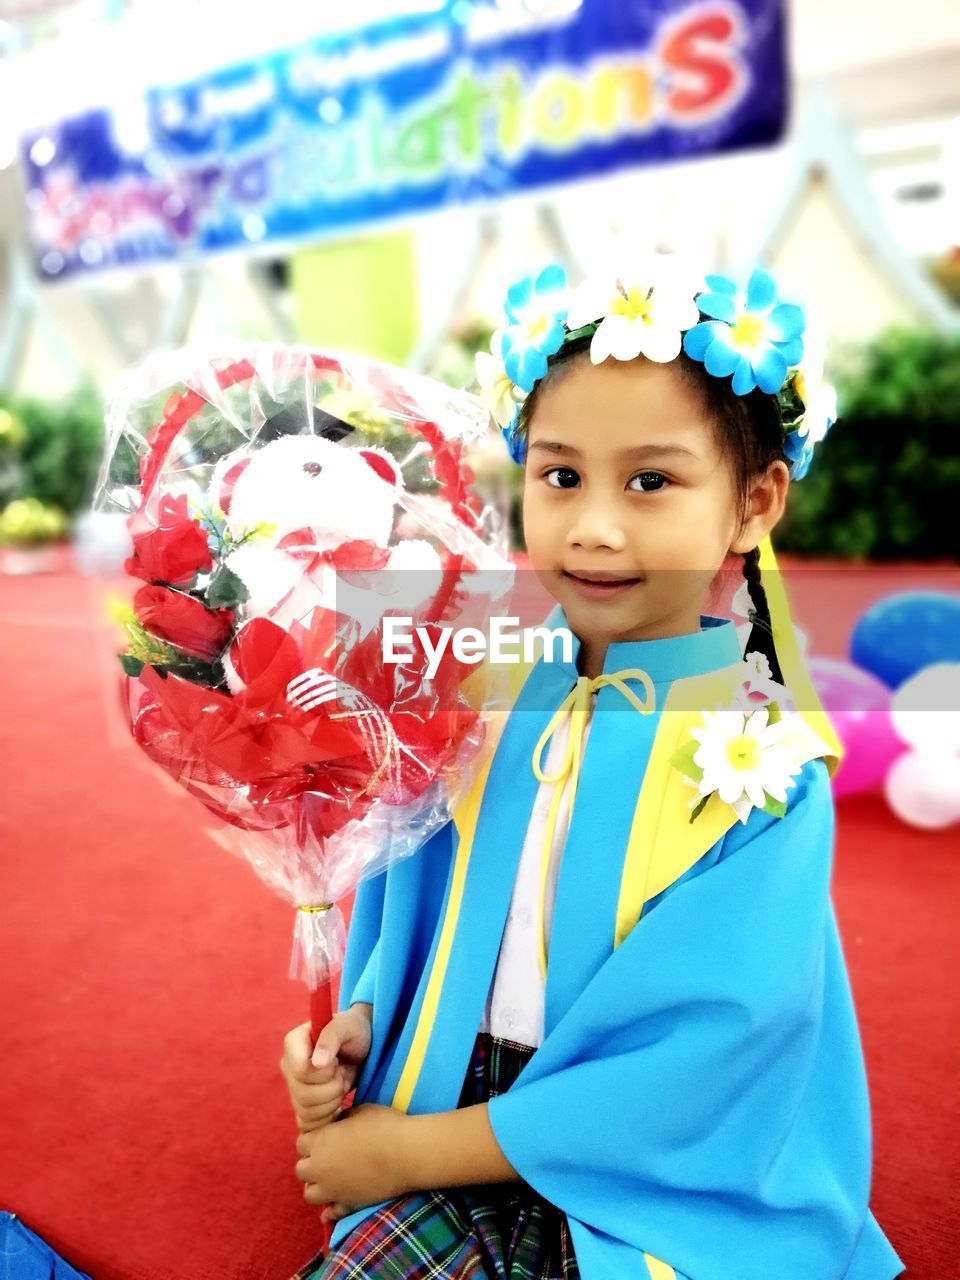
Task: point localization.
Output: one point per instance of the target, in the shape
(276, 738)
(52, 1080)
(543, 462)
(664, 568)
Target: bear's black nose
(312, 468)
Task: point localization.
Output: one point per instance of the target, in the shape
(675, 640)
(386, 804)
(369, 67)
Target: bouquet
(288, 509)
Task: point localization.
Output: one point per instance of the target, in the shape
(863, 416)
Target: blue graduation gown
(698, 1107)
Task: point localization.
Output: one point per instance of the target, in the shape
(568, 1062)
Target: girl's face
(625, 480)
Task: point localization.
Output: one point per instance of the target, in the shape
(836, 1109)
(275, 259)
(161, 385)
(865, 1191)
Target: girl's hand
(317, 1092)
(346, 1038)
(355, 1162)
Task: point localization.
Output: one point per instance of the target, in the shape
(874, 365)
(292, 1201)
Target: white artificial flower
(643, 310)
(742, 602)
(741, 760)
(759, 665)
(497, 392)
(819, 397)
(819, 410)
(759, 687)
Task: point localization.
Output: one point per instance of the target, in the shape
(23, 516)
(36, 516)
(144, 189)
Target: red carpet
(147, 1133)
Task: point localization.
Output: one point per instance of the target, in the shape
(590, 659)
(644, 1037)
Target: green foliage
(885, 483)
(142, 647)
(225, 590)
(454, 362)
(683, 760)
(28, 522)
(58, 453)
(696, 811)
(777, 807)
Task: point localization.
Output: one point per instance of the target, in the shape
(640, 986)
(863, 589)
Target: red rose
(184, 621)
(170, 547)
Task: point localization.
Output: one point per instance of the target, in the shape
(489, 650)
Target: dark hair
(751, 429)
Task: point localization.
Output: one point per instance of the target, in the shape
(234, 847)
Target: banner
(471, 104)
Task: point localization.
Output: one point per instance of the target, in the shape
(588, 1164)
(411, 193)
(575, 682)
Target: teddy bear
(316, 495)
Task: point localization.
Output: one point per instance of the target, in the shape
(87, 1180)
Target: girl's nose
(593, 527)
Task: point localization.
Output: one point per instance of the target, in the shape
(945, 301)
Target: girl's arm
(453, 1149)
(377, 1154)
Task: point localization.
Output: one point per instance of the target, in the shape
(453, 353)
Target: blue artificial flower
(799, 446)
(516, 444)
(536, 309)
(799, 449)
(752, 334)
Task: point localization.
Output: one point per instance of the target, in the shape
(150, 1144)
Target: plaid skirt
(503, 1230)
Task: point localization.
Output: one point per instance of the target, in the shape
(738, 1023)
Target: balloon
(859, 708)
(924, 789)
(926, 709)
(901, 634)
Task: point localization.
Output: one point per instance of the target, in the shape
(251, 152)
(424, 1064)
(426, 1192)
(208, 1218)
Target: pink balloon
(858, 705)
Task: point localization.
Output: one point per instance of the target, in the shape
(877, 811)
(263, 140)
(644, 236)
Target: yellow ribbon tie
(576, 705)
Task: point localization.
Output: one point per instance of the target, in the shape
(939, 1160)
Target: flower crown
(746, 331)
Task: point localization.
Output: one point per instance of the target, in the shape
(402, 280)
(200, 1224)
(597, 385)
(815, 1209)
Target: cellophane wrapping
(283, 504)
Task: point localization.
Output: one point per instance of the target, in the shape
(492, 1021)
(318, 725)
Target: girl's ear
(766, 500)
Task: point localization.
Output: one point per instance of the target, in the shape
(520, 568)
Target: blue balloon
(900, 635)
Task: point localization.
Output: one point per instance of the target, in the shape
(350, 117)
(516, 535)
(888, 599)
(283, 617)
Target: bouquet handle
(317, 956)
(321, 1007)
(321, 1011)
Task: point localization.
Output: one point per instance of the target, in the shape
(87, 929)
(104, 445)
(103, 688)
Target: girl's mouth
(601, 586)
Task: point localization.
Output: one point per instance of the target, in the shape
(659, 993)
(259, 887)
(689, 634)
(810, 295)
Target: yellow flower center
(633, 303)
(743, 752)
(536, 327)
(800, 386)
(748, 330)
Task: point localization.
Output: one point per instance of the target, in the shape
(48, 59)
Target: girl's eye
(567, 477)
(657, 481)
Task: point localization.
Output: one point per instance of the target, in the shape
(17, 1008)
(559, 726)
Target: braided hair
(761, 634)
(750, 428)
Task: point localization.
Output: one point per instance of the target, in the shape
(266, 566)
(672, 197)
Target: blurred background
(372, 186)
(175, 172)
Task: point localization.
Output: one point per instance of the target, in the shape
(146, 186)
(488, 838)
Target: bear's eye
(337, 431)
(312, 468)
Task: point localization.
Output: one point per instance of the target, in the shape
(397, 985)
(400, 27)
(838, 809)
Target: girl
(639, 1059)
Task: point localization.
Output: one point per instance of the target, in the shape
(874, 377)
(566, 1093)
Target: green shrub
(28, 521)
(885, 484)
(57, 454)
